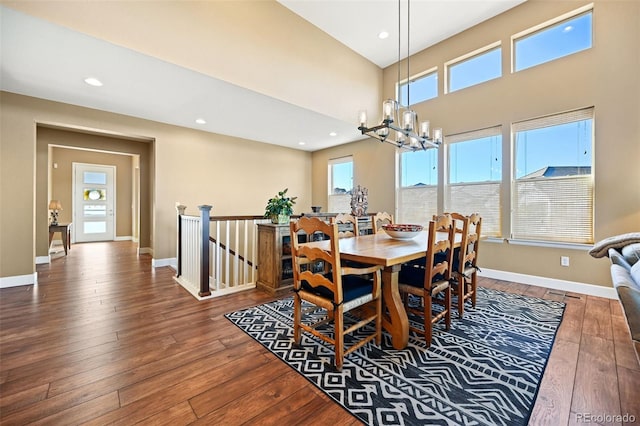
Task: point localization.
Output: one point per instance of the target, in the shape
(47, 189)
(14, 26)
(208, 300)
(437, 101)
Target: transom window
(555, 40)
(422, 88)
(474, 68)
(553, 189)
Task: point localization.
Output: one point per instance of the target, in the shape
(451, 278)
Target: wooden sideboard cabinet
(275, 267)
(275, 270)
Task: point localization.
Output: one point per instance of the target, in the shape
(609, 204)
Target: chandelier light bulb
(437, 135)
(408, 118)
(388, 109)
(363, 118)
(424, 129)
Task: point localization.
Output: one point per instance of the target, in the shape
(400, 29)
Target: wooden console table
(65, 230)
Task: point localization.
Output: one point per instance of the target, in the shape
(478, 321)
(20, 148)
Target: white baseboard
(124, 238)
(40, 260)
(18, 280)
(171, 261)
(576, 287)
(589, 289)
(145, 250)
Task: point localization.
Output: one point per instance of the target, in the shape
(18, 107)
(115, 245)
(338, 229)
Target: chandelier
(399, 124)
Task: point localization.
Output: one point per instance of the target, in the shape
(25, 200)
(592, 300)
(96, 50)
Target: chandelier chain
(400, 125)
(408, 53)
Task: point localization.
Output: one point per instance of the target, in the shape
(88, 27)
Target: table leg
(50, 238)
(64, 240)
(396, 321)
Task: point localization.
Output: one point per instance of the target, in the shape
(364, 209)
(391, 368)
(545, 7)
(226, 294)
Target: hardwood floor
(105, 339)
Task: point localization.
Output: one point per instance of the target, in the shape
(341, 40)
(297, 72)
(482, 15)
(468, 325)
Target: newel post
(180, 208)
(204, 251)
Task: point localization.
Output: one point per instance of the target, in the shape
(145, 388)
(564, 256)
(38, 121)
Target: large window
(475, 175)
(418, 191)
(421, 89)
(553, 41)
(474, 68)
(553, 190)
(340, 184)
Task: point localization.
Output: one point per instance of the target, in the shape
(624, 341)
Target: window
(555, 40)
(475, 176)
(474, 68)
(422, 88)
(340, 184)
(553, 190)
(418, 190)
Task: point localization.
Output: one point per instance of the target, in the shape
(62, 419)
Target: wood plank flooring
(106, 339)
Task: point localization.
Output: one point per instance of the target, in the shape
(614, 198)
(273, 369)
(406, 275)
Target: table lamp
(55, 207)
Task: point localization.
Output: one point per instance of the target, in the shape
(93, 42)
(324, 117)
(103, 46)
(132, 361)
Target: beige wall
(236, 176)
(62, 181)
(605, 76)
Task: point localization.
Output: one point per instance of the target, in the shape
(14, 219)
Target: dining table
(390, 253)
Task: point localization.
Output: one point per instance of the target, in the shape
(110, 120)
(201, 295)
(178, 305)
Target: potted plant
(280, 207)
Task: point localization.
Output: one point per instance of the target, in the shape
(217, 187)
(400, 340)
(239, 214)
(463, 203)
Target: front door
(94, 202)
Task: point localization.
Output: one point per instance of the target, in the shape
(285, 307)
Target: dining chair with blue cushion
(465, 262)
(428, 280)
(379, 219)
(320, 280)
(347, 225)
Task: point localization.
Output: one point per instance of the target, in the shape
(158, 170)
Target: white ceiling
(44, 60)
(357, 23)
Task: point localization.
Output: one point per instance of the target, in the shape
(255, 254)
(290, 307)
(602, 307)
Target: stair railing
(216, 255)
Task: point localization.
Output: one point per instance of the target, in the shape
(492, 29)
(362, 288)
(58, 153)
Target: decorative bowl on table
(402, 231)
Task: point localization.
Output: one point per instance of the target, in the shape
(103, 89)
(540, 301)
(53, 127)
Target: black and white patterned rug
(485, 370)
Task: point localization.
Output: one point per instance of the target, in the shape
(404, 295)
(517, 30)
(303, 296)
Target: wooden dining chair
(379, 219)
(429, 280)
(320, 279)
(465, 270)
(349, 224)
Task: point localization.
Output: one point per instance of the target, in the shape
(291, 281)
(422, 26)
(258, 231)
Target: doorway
(58, 148)
(93, 202)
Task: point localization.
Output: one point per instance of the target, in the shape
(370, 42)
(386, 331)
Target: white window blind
(475, 175)
(553, 120)
(553, 199)
(555, 209)
(417, 194)
(482, 198)
(475, 134)
(417, 204)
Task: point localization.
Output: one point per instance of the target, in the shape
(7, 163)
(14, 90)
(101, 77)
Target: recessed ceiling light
(333, 134)
(301, 143)
(382, 35)
(201, 121)
(92, 81)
